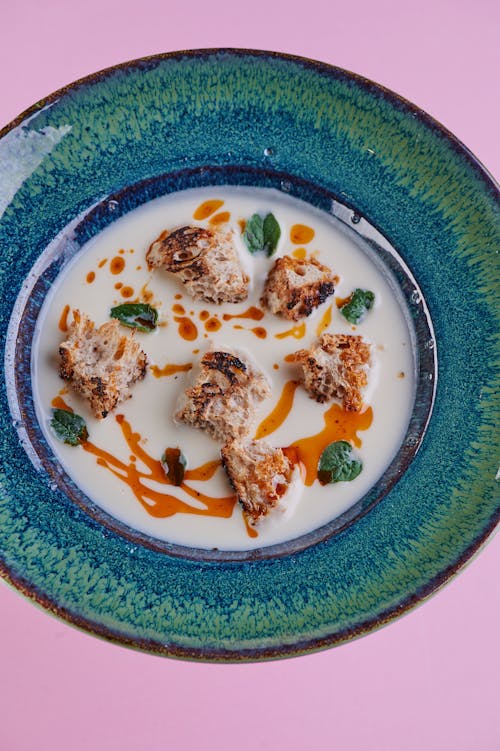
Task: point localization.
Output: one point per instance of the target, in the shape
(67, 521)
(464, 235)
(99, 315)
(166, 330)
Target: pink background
(427, 682)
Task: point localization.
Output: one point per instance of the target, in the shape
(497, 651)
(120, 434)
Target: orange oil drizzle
(341, 301)
(63, 320)
(340, 425)
(289, 358)
(301, 234)
(187, 329)
(299, 253)
(169, 370)
(101, 263)
(242, 223)
(178, 309)
(90, 277)
(127, 292)
(280, 412)
(325, 321)
(117, 265)
(207, 208)
(297, 332)
(155, 502)
(256, 314)
(204, 315)
(213, 324)
(59, 403)
(251, 531)
(259, 331)
(221, 218)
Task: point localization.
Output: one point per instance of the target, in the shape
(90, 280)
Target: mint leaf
(360, 302)
(174, 463)
(262, 234)
(68, 427)
(337, 465)
(136, 315)
(272, 233)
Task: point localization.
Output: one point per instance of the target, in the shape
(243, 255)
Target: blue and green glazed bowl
(183, 118)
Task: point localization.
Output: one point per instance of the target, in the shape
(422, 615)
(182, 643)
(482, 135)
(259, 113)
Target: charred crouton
(336, 367)
(224, 396)
(295, 287)
(260, 475)
(100, 364)
(204, 260)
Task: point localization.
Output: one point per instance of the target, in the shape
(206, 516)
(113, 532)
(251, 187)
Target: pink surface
(428, 681)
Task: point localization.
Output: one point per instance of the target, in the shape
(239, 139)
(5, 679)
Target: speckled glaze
(410, 179)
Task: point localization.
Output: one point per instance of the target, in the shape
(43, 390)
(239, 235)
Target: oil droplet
(187, 329)
(242, 223)
(178, 296)
(213, 324)
(256, 314)
(276, 366)
(90, 277)
(127, 292)
(299, 253)
(121, 251)
(178, 310)
(102, 263)
(301, 234)
(117, 265)
(118, 285)
(170, 369)
(204, 315)
(296, 331)
(207, 208)
(221, 218)
(325, 321)
(63, 320)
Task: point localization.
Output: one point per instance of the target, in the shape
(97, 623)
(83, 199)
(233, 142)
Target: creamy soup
(118, 468)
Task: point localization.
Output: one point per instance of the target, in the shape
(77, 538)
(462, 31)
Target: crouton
(295, 287)
(336, 366)
(100, 364)
(260, 475)
(205, 261)
(224, 396)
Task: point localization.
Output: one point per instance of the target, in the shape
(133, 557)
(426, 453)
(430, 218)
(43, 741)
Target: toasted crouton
(205, 261)
(336, 367)
(101, 364)
(295, 287)
(260, 475)
(224, 396)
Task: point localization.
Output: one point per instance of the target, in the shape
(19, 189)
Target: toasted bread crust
(295, 287)
(205, 261)
(100, 364)
(224, 396)
(259, 474)
(336, 367)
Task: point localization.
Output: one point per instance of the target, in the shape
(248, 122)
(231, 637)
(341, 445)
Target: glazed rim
(407, 603)
(380, 253)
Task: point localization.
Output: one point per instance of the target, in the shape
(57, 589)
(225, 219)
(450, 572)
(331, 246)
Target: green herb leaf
(68, 427)
(360, 302)
(174, 463)
(272, 233)
(337, 465)
(136, 315)
(262, 234)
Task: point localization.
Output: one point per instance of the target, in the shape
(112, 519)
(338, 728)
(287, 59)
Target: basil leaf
(254, 234)
(337, 465)
(174, 463)
(360, 302)
(136, 315)
(262, 234)
(68, 427)
(272, 234)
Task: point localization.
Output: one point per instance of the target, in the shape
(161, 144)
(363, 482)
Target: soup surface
(119, 467)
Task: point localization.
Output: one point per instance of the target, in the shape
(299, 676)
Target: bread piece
(260, 474)
(205, 261)
(101, 364)
(336, 366)
(295, 287)
(224, 396)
